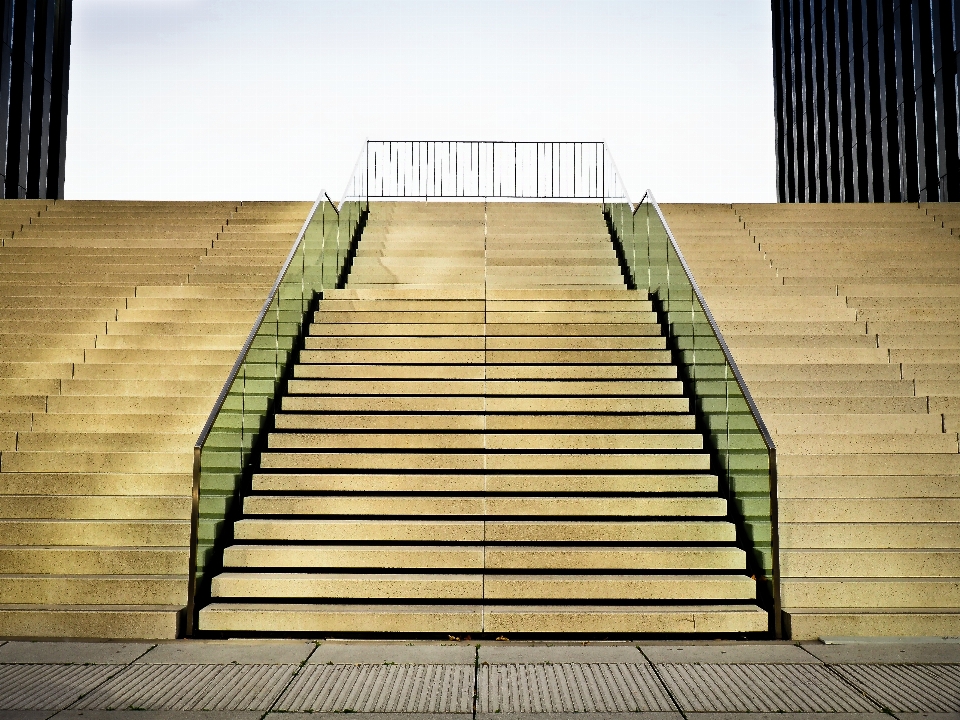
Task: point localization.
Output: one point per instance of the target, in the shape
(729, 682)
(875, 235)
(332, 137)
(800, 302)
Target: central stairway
(485, 433)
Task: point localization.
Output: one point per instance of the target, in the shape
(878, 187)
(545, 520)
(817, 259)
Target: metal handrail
(218, 406)
(761, 425)
(754, 411)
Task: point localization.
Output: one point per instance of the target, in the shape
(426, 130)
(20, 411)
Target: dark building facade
(866, 100)
(34, 74)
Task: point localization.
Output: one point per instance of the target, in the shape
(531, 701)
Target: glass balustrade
(744, 454)
(243, 413)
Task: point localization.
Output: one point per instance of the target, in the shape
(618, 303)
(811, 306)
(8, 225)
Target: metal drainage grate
(48, 687)
(381, 689)
(761, 688)
(908, 688)
(191, 687)
(571, 688)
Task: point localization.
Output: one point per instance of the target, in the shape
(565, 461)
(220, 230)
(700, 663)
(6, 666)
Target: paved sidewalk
(287, 680)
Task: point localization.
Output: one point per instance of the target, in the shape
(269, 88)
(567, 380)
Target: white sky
(272, 99)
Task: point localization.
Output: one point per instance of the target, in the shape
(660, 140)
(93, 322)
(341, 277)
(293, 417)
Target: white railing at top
(480, 169)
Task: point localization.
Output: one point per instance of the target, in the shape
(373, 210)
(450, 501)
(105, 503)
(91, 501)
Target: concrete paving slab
(399, 653)
(191, 687)
(579, 716)
(785, 716)
(154, 715)
(541, 653)
(49, 687)
(381, 689)
(369, 716)
(796, 687)
(63, 653)
(732, 653)
(571, 688)
(26, 714)
(875, 653)
(226, 652)
(908, 688)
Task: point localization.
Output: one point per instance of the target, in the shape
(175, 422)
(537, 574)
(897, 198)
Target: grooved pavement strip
(381, 689)
(909, 688)
(770, 688)
(570, 688)
(250, 680)
(49, 687)
(191, 687)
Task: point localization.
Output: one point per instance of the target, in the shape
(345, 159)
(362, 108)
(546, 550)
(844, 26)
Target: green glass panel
(734, 434)
(315, 265)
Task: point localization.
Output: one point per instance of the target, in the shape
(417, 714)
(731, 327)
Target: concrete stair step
(463, 619)
(871, 594)
(334, 422)
(477, 586)
(98, 532)
(93, 562)
(897, 424)
(62, 461)
(508, 388)
(482, 372)
(375, 307)
(183, 343)
(412, 505)
(79, 507)
(127, 405)
(851, 372)
(492, 442)
(476, 404)
(833, 388)
(65, 590)
(266, 617)
(843, 405)
(476, 557)
(479, 531)
(401, 329)
(507, 483)
(147, 621)
(144, 370)
(103, 441)
(68, 484)
(867, 443)
(891, 621)
(412, 461)
(360, 586)
(870, 486)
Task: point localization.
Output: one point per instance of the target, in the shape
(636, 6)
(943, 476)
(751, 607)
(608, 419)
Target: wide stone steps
(862, 410)
(136, 312)
(453, 456)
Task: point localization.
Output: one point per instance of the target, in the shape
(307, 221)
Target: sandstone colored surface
(843, 320)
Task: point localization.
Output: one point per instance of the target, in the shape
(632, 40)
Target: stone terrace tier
(119, 322)
(845, 321)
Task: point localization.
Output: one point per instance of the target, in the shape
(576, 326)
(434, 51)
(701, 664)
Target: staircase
(120, 321)
(484, 433)
(845, 321)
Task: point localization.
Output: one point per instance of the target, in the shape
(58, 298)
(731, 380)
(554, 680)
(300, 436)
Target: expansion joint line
(656, 672)
(846, 681)
(119, 669)
(476, 679)
(291, 681)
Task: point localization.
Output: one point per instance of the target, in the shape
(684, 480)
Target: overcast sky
(272, 99)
